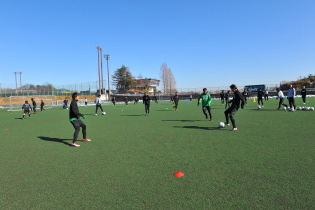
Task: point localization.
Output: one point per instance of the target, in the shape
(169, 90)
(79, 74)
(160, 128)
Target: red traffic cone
(178, 174)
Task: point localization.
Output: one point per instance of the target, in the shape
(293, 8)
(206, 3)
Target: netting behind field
(16, 102)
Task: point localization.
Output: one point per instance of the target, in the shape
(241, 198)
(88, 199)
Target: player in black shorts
(26, 109)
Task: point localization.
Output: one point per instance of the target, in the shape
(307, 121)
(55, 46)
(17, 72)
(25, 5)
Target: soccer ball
(308, 108)
(221, 124)
(299, 108)
(284, 108)
(312, 108)
(291, 109)
(103, 113)
(259, 107)
(303, 108)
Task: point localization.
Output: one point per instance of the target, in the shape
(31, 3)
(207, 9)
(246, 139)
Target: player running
(34, 105)
(114, 101)
(146, 101)
(26, 109)
(98, 102)
(260, 95)
(230, 112)
(176, 100)
(281, 98)
(74, 116)
(206, 103)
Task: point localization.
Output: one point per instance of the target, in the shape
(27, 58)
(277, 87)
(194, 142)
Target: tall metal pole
(102, 78)
(107, 58)
(99, 70)
(15, 82)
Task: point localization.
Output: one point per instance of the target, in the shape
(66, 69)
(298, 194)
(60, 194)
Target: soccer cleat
(86, 139)
(234, 129)
(75, 144)
(227, 124)
(103, 113)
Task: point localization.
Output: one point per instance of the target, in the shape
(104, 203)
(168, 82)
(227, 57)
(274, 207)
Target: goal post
(16, 102)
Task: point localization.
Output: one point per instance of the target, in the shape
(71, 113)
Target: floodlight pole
(107, 58)
(99, 52)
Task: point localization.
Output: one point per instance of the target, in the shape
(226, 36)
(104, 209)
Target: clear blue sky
(206, 43)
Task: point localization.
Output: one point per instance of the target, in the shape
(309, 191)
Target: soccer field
(269, 163)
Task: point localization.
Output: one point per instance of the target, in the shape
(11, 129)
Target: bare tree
(168, 79)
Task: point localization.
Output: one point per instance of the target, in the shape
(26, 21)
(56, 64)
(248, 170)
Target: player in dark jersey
(74, 115)
(222, 94)
(126, 101)
(176, 100)
(146, 101)
(226, 97)
(236, 101)
(114, 101)
(260, 95)
(65, 103)
(303, 93)
(245, 95)
(26, 109)
(34, 105)
(42, 104)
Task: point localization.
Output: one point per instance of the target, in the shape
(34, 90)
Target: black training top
(303, 92)
(260, 94)
(237, 98)
(146, 99)
(74, 110)
(176, 98)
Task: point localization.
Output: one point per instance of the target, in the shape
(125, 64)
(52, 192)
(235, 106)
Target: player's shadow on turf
(202, 128)
(18, 118)
(264, 110)
(132, 115)
(164, 110)
(55, 140)
(185, 120)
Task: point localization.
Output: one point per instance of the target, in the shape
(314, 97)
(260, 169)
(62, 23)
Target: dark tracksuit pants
(260, 100)
(303, 99)
(176, 104)
(204, 109)
(229, 113)
(281, 103)
(98, 106)
(147, 108)
(291, 102)
(77, 124)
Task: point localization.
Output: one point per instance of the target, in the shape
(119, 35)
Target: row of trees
(308, 82)
(125, 82)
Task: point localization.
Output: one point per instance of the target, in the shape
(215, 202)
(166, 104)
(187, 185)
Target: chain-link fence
(91, 88)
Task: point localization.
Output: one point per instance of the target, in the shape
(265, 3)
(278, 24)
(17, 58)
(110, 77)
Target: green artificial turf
(268, 163)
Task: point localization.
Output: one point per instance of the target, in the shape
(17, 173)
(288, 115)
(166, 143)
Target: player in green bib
(206, 103)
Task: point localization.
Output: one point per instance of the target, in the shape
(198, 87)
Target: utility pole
(100, 70)
(16, 83)
(108, 88)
